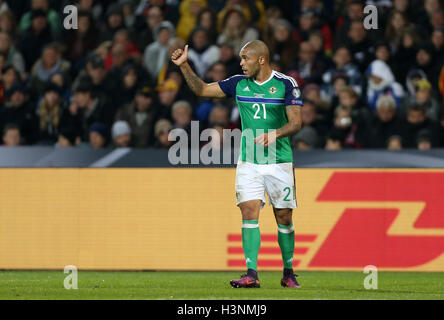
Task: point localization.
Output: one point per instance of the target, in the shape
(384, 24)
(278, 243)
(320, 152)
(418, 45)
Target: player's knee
(249, 211)
(283, 216)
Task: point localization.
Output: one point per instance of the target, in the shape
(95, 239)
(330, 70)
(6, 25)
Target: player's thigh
(280, 186)
(249, 183)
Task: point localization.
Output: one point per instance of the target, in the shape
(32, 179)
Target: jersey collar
(261, 84)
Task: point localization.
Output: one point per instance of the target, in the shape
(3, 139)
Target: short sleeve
(293, 94)
(228, 86)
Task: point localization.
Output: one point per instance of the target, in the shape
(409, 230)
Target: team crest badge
(272, 90)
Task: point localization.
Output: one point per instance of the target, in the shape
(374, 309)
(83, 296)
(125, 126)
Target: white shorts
(253, 180)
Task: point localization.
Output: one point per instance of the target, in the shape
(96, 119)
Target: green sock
(286, 243)
(251, 241)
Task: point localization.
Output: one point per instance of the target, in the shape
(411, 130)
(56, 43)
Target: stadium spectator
(412, 78)
(311, 118)
(94, 7)
(82, 41)
(307, 138)
(8, 22)
(128, 13)
(423, 96)
(168, 94)
(235, 30)
(11, 135)
(181, 114)
(437, 40)
(141, 116)
(283, 47)
(382, 81)
(122, 37)
(383, 52)
(96, 74)
(307, 66)
(207, 19)
(334, 141)
(312, 93)
(424, 140)
(68, 137)
(49, 112)
(35, 38)
(52, 16)
(152, 19)
(14, 57)
(19, 110)
(114, 22)
(383, 125)
(406, 54)
(189, 10)
(316, 39)
(426, 61)
(355, 12)
(130, 82)
(3, 7)
(342, 65)
(425, 15)
(405, 7)
(310, 20)
(230, 58)
(121, 134)
(396, 23)
(87, 108)
(9, 76)
(394, 143)
(360, 44)
(155, 55)
(98, 135)
(51, 62)
(59, 79)
(201, 52)
(220, 115)
(162, 130)
(415, 122)
(169, 11)
(272, 15)
(343, 125)
(117, 60)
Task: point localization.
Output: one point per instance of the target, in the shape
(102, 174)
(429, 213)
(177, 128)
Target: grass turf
(215, 285)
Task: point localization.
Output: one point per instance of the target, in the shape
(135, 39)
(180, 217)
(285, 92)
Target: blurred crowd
(110, 82)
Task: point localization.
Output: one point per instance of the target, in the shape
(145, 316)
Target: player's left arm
(291, 127)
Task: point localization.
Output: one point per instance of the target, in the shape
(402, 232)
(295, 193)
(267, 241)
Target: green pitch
(215, 285)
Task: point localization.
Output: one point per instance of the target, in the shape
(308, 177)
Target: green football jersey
(262, 109)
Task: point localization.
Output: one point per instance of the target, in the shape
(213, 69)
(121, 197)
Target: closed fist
(180, 56)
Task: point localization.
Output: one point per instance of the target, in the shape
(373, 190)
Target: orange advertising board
(186, 219)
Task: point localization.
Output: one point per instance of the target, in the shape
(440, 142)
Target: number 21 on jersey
(258, 106)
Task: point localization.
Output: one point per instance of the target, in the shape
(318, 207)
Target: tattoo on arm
(193, 81)
(294, 122)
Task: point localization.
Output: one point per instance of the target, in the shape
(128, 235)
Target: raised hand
(180, 56)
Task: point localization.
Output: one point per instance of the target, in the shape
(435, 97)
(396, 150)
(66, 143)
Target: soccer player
(269, 103)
